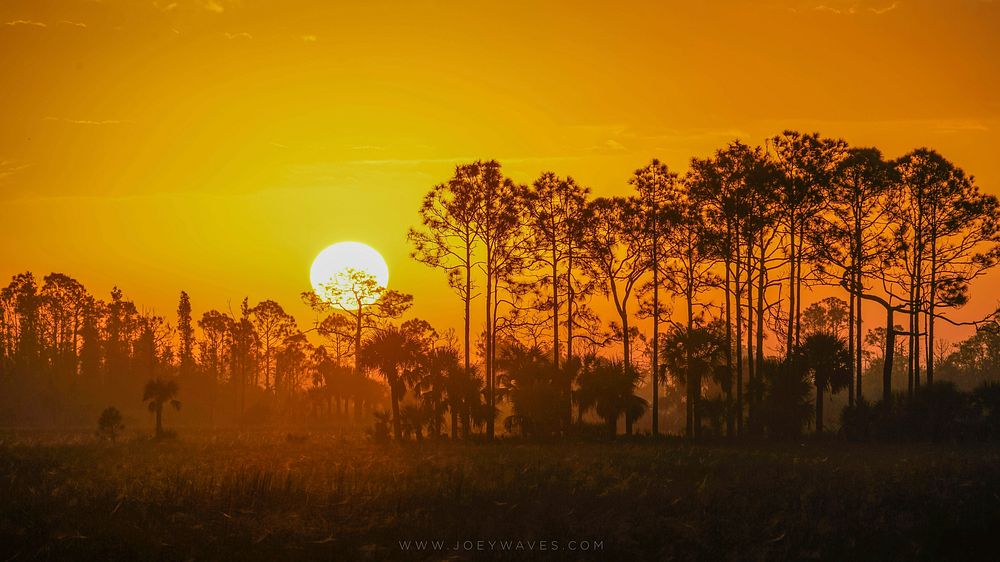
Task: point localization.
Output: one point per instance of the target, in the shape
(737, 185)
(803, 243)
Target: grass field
(229, 496)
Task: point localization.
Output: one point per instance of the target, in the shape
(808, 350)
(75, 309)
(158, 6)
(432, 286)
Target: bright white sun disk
(332, 266)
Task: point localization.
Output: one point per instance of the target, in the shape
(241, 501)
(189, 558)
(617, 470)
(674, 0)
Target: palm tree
(390, 352)
(785, 407)
(414, 415)
(466, 393)
(157, 393)
(608, 388)
(690, 353)
(827, 359)
(534, 387)
(432, 384)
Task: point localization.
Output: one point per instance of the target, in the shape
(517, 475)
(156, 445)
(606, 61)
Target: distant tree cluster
(750, 269)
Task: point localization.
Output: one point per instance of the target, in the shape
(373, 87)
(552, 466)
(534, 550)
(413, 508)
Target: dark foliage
(787, 406)
(937, 412)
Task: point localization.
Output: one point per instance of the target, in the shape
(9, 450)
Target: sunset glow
(670, 280)
(180, 128)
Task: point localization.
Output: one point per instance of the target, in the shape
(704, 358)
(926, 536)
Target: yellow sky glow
(217, 146)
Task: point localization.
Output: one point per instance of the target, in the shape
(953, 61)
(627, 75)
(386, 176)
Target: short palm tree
(390, 352)
(785, 408)
(826, 358)
(434, 383)
(532, 385)
(157, 393)
(609, 389)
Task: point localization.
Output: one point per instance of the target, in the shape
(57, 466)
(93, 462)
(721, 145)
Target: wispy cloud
(310, 38)
(832, 10)
(367, 147)
(880, 11)
(239, 35)
(25, 22)
(214, 6)
(89, 121)
(9, 168)
(32, 23)
(617, 138)
(609, 144)
(958, 126)
(854, 9)
(906, 128)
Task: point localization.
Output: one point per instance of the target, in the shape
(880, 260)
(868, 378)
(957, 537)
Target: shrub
(380, 430)
(985, 403)
(857, 421)
(110, 425)
(937, 412)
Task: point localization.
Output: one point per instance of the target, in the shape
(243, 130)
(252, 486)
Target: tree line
(720, 261)
(721, 258)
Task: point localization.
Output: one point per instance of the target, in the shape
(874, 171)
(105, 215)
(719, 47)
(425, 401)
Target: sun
(332, 266)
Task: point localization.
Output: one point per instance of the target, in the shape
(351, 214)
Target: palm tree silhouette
(433, 383)
(827, 359)
(608, 388)
(157, 393)
(390, 352)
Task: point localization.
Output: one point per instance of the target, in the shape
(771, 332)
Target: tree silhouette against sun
(356, 295)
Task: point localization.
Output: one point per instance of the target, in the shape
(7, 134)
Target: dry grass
(279, 496)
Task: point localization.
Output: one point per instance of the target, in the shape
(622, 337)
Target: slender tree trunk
(396, 427)
(489, 350)
(357, 340)
(694, 379)
(468, 310)
(798, 290)
(890, 352)
(819, 408)
(931, 297)
(656, 340)
(729, 351)
(909, 344)
(493, 351)
(569, 308)
(791, 290)
(751, 366)
(267, 364)
(916, 327)
(626, 340)
(569, 331)
(850, 347)
(159, 420)
(858, 343)
(555, 308)
(859, 287)
(467, 297)
(739, 348)
(761, 282)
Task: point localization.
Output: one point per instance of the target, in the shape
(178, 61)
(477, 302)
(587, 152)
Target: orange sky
(216, 146)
